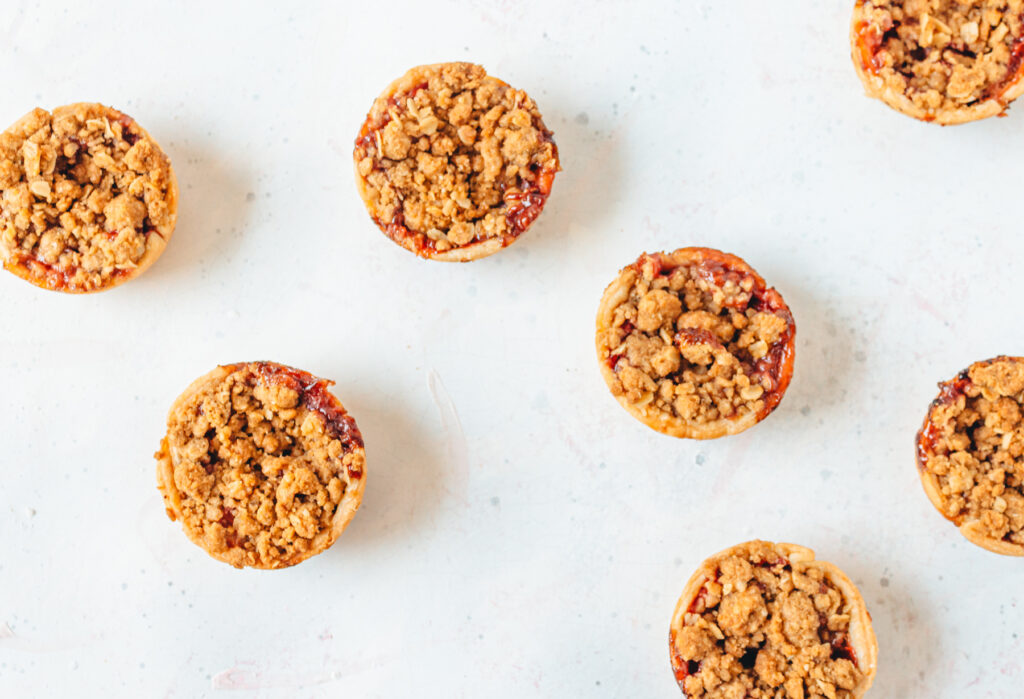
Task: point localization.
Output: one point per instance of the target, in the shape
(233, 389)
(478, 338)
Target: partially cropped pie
(262, 464)
(765, 620)
(947, 61)
(454, 164)
(970, 453)
(694, 344)
(87, 198)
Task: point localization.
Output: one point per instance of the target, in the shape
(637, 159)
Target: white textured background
(521, 535)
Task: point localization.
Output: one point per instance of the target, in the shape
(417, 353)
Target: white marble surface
(521, 535)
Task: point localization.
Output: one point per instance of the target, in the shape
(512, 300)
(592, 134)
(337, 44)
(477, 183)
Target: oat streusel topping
(449, 156)
(942, 54)
(262, 459)
(973, 443)
(698, 337)
(84, 194)
(762, 628)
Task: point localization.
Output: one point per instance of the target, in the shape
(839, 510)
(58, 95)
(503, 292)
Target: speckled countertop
(521, 535)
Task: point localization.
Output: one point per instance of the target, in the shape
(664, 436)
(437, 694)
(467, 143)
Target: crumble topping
(942, 54)
(449, 156)
(762, 627)
(84, 192)
(973, 443)
(262, 459)
(698, 337)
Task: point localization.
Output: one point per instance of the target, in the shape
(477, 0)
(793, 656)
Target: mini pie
(261, 464)
(947, 61)
(87, 198)
(454, 164)
(694, 344)
(764, 620)
(970, 453)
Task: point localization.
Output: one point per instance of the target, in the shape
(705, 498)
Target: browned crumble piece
(766, 621)
(943, 60)
(694, 344)
(971, 453)
(87, 198)
(261, 464)
(449, 158)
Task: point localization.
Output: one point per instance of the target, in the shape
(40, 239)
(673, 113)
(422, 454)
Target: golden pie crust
(262, 465)
(768, 620)
(454, 164)
(694, 344)
(88, 200)
(946, 61)
(970, 453)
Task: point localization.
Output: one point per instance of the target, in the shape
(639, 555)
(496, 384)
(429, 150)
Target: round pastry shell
(347, 508)
(972, 529)
(465, 253)
(862, 633)
(876, 87)
(616, 293)
(155, 244)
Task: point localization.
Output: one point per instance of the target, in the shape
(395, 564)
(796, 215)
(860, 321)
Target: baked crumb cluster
(702, 341)
(943, 54)
(81, 191)
(973, 442)
(262, 459)
(760, 628)
(453, 157)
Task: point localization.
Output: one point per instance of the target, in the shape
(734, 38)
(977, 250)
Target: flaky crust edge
(875, 87)
(616, 293)
(862, 633)
(347, 508)
(466, 253)
(970, 528)
(155, 244)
